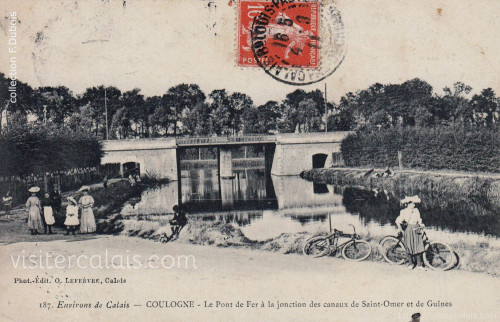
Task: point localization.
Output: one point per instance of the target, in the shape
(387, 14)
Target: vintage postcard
(249, 160)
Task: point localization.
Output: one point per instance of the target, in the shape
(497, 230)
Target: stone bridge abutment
(285, 154)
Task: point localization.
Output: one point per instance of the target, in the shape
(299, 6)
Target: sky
(153, 45)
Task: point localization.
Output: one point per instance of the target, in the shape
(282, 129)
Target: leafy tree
(302, 111)
(221, 112)
(180, 99)
(93, 99)
(485, 107)
(161, 118)
(121, 125)
(342, 121)
(4, 97)
(238, 103)
(24, 103)
(54, 104)
(135, 110)
(198, 120)
(80, 121)
(453, 106)
(268, 115)
(250, 120)
(263, 119)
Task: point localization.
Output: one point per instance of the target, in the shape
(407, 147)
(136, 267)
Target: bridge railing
(225, 139)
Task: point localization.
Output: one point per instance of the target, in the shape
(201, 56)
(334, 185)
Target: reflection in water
(320, 188)
(156, 200)
(382, 207)
(265, 207)
(249, 189)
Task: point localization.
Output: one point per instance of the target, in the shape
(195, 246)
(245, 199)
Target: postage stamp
(295, 42)
(291, 33)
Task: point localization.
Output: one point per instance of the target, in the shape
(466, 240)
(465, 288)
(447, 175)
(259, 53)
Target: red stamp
(287, 33)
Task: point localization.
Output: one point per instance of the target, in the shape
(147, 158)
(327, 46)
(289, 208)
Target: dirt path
(229, 275)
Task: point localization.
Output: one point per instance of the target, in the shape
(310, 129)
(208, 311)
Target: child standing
(7, 202)
(71, 221)
(48, 213)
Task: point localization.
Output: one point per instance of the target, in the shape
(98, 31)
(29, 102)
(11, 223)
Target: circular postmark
(298, 42)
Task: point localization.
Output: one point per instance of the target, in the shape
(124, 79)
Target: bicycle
(355, 249)
(438, 256)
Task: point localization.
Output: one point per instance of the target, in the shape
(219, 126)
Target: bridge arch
(130, 167)
(319, 160)
(298, 152)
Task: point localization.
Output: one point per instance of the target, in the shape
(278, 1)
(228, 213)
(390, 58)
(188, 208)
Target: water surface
(265, 206)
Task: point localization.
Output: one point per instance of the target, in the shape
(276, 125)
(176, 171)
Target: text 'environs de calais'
(12, 48)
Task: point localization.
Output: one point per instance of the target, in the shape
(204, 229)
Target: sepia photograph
(250, 160)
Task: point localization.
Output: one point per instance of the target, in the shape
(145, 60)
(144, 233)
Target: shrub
(34, 148)
(443, 147)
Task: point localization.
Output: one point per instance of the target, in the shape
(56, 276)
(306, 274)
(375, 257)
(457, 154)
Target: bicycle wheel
(393, 250)
(316, 246)
(439, 256)
(356, 250)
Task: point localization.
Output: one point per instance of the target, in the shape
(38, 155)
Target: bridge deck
(171, 142)
(225, 140)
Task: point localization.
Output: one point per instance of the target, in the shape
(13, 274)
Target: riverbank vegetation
(474, 257)
(33, 149)
(478, 199)
(33, 154)
(454, 130)
(454, 147)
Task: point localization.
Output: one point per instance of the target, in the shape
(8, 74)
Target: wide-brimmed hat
(72, 200)
(34, 189)
(408, 199)
(84, 188)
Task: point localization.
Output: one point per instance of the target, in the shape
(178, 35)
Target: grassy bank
(478, 257)
(443, 190)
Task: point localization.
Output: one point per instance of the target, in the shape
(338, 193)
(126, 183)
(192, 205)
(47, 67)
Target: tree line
(185, 109)
(30, 149)
(413, 103)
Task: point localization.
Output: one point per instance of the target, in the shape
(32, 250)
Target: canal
(265, 206)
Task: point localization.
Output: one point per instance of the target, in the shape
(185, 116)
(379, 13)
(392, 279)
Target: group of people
(133, 179)
(41, 212)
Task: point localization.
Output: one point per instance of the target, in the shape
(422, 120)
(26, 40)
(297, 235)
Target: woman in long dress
(87, 222)
(33, 207)
(410, 224)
